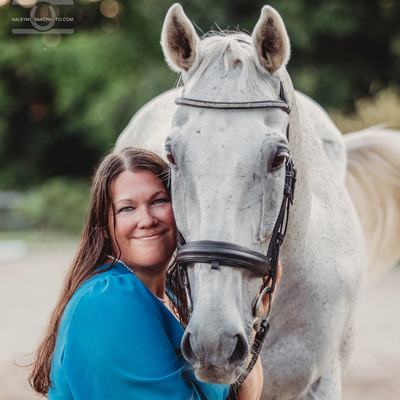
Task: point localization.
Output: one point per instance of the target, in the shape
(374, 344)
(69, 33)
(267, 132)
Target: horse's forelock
(233, 48)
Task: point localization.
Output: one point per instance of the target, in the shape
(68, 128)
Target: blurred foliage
(64, 99)
(381, 109)
(58, 204)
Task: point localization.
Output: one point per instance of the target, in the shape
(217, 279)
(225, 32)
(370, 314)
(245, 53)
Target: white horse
(227, 185)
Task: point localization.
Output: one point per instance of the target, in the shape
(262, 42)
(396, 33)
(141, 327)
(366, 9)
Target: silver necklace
(133, 272)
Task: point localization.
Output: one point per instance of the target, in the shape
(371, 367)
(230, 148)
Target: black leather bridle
(219, 253)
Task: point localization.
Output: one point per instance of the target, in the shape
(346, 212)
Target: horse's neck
(300, 139)
(313, 171)
(317, 175)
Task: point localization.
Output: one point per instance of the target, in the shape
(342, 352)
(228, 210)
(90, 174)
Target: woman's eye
(125, 209)
(278, 161)
(161, 201)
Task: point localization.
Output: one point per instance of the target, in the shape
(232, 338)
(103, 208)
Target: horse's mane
(234, 48)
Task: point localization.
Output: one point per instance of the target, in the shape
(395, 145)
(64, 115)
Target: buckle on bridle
(290, 179)
(258, 317)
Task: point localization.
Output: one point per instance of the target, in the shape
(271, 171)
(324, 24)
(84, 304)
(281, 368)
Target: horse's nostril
(240, 352)
(187, 349)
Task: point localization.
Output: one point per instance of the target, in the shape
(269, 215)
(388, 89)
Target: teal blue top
(118, 341)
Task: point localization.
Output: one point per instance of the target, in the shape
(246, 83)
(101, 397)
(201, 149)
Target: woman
(115, 333)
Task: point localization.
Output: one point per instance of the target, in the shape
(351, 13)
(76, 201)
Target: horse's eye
(170, 158)
(278, 161)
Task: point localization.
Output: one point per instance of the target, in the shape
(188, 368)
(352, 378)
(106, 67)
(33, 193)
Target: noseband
(229, 254)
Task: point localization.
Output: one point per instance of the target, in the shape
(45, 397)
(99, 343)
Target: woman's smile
(154, 235)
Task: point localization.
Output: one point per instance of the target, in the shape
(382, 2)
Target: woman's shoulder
(109, 295)
(110, 282)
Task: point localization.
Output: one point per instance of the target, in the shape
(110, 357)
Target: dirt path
(374, 370)
(29, 288)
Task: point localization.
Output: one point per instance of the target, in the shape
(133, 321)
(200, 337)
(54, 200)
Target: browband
(185, 101)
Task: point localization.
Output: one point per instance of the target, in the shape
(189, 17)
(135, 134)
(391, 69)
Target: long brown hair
(94, 246)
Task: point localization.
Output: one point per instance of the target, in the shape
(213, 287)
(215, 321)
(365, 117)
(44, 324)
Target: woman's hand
(265, 300)
(252, 387)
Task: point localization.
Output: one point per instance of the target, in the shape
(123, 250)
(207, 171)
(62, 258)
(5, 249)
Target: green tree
(65, 99)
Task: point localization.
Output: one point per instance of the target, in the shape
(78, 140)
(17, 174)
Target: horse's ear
(271, 40)
(179, 40)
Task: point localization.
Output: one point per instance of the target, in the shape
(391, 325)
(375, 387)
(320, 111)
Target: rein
(219, 253)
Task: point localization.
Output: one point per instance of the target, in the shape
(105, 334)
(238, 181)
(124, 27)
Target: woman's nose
(146, 218)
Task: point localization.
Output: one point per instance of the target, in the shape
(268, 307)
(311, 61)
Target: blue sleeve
(117, 347)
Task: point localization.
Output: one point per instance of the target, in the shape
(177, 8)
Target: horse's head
(228, 174)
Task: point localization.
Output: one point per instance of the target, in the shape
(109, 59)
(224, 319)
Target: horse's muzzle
(218, 360)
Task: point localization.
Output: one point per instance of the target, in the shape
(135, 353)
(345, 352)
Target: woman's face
(144, 221)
